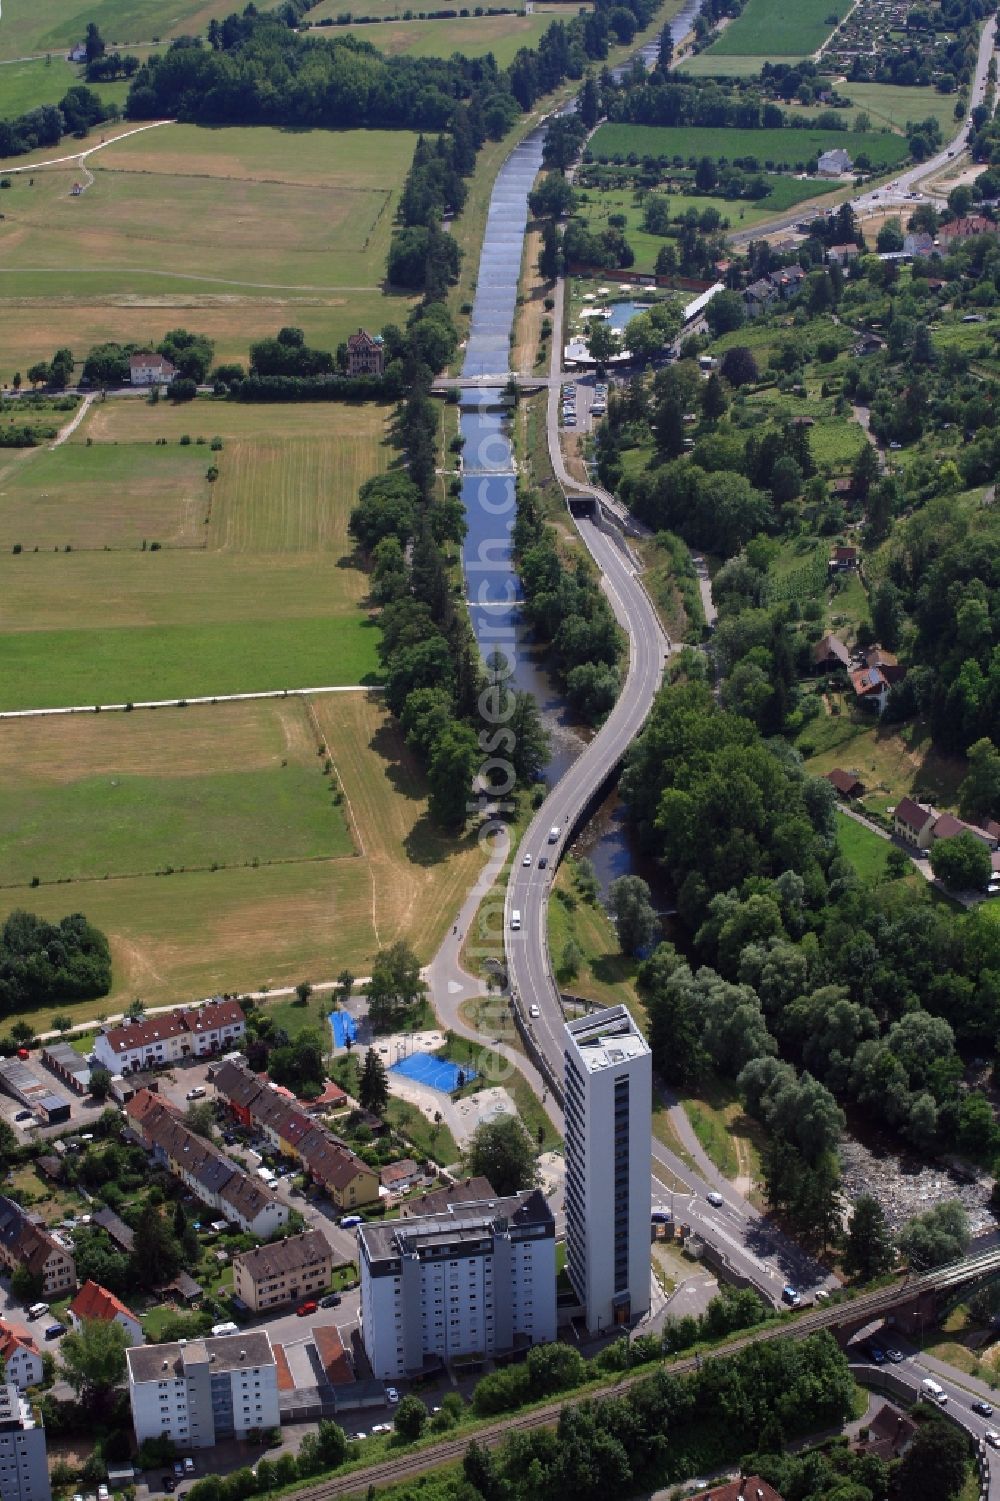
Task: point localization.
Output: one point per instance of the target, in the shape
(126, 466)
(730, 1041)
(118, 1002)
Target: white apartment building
(154, 1041)
(478, 1280)
(24, 1471)
(200, 1391)
(22, 1359)
(608, 1115)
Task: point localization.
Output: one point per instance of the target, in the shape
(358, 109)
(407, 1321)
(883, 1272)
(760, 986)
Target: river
(489, 494)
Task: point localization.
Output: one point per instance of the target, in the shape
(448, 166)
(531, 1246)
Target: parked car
(188, 1465)
(167, 1483)
(197, 1093)
(37, 1310)
(178, 1469)
(54, 1331)
(103, 1494)
(391, 1395)
(306, 1308)
(23, 1115)
(661, 1217)
(360, 1434)
(332, 1300)
(348, 1221)
(381, 1428)
(983, 1408)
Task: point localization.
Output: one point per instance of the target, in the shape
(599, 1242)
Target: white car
(715, 1199)
(526, 860)
(381, 1428)
(534, 1011)
(992, 1438)
(391, 1395)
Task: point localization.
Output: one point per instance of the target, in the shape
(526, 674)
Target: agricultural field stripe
(180, 703)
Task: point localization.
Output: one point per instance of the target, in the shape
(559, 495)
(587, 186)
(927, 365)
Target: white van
(221, 1329)
(37, 1309)
(554, 833)
(933, 1392)
(515, 921)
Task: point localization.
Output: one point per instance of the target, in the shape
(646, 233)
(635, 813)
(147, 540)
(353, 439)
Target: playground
(436, 1073)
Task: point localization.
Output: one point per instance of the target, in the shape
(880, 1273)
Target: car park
(983, 1408)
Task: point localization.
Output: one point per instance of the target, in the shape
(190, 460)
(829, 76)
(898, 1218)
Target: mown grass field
(233, 232)
(892, 763)
(38, 26)
(209, 417)
(188, 934)
(792, 28)
(889, 104)
(104, 496)
(139, 793)
(711, 64)
(28, 85)
(473, 36)
(53, 668)
(865, 850)
(288, 494)
(780, 147)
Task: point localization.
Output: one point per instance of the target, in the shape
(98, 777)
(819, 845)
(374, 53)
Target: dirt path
(81, 156)
(74, 422)
(169, 703)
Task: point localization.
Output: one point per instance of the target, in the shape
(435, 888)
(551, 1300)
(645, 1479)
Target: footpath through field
(183, 703)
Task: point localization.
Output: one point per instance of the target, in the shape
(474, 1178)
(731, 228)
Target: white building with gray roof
(476, 1281)
(197, 1392)
(24, 1471)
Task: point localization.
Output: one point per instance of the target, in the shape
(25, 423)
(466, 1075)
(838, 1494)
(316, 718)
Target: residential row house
(202, 1168)
(25, 1242)
(349, 1181)
(922, 826)
(154, 1041)
(297, 1267)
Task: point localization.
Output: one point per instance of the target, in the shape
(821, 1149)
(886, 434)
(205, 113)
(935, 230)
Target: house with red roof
(155, 1041)
(746, 1488)
(94, 1304)
(21, 1356)
(913, 822)
(870, 688)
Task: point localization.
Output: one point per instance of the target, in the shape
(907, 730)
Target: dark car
(983, 1408)
(332, 1300)
(877, 1354)
(167, 1482)
(543, 861)
(54, 1331)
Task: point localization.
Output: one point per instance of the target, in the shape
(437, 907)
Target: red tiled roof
(752, 1488)
(333, 1357)
(868, 680)
(13, 1338)
(141, 1034)
(95, 1302)
(286, 1381)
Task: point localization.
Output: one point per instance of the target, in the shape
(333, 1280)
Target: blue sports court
(425, 1068)
(344, 1028)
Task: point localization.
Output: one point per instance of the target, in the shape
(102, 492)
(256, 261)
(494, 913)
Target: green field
(233, 232)
(104, 496)
(785, 148)
(39, 26)
(30, 84)
(317, 901)
(119, 810)
(865, 850)
(501, 35)
(787, 28)
(48, 669)
(888, 104)
(742, 213)
(711, 64)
